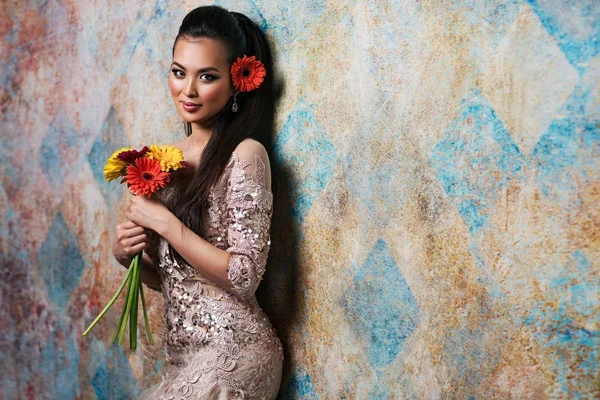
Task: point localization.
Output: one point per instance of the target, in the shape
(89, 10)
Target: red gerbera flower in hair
(248, 73)
(130, 156)
(145, 177)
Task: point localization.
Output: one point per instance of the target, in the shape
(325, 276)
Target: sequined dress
(220, 344)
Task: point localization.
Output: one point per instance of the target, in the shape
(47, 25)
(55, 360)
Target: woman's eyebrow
(205, 69)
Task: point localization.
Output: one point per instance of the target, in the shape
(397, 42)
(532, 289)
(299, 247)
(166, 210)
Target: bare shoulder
(248, 148)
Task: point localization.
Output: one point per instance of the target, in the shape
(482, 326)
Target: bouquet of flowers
(145, 172)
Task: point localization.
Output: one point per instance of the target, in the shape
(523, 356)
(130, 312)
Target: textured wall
(437, 221)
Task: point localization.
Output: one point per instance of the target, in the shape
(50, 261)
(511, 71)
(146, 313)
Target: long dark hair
(255, 118)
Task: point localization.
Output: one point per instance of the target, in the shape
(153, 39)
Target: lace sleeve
(249, 207)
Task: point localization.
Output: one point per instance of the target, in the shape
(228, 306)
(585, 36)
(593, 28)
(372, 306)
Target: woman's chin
(193, 119)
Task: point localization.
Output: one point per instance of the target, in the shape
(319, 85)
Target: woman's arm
(240, 268)
(150, 275)
(200, 254)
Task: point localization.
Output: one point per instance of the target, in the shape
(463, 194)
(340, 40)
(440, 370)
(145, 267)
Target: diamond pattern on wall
(111, 138)
(59, 364)
(60, 262)
(67, 64)
(380, 306)
(302, 146)
(566, 152)
(526, 104)
(113, 377)
(574, 24)
(60, 151)
(474, 159)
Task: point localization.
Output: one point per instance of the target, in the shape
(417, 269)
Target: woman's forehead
(200, 53)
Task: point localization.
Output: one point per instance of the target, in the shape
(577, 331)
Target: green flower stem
(129, 314)
(135, 306)
(146, 322)
(136, 303)
(110, 303)
(131, 270)
(114, 340)
(130, 290)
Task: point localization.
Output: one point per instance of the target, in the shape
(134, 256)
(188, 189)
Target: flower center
(147, 176)
(246, 72)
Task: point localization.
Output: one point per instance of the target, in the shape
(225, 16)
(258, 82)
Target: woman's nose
(190, 88)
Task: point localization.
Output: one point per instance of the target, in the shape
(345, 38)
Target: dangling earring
(234, 106)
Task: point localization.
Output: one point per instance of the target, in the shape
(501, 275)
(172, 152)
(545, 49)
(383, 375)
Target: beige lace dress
(220, 344)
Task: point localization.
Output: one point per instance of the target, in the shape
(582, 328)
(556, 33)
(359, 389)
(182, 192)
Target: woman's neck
(200, 135)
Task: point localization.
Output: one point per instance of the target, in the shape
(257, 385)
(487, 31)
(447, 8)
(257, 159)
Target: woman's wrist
(168, 226)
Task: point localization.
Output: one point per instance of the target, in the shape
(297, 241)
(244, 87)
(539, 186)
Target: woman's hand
(130, 239)
(149, 213)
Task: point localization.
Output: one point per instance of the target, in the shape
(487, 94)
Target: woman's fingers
(138, 247)
(133, 245)
(126, 230)
(136, 240)
(128, 225)
(138, 230)
(130, 239)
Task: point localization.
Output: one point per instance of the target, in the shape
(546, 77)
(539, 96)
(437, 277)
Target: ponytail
(257, 45)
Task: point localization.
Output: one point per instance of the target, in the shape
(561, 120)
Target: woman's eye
(176, 71)
(207, 77)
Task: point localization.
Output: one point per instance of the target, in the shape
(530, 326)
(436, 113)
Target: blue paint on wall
(114, 378)
(111, 138)
(60, 151)
(60, 262)
(379, 393)
(303, 142)
(474, 160)
(577, 32)
(299, 388)
(59, 364)
(564, 321)
(380, 306)
(566, 154)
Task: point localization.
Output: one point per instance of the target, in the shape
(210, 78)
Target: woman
(206, 241)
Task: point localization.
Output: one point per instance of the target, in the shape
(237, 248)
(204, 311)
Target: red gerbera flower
(145, 177)
(130, 156)
(247, 73)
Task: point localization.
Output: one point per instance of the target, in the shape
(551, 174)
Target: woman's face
(199, 80)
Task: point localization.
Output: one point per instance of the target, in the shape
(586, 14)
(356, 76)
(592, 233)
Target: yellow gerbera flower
(170, 157)
(114, 167)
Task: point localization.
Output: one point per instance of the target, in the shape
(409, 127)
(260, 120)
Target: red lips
(190, 107)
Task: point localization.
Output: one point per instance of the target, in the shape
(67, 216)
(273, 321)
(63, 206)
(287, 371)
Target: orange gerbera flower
(145, 177)
(248, 73)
